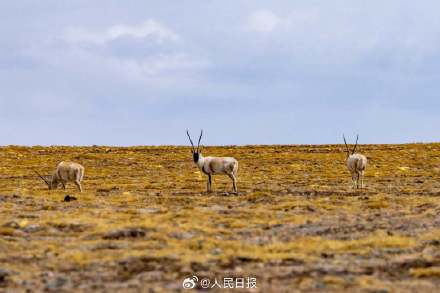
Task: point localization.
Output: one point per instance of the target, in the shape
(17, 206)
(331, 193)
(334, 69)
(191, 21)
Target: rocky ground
(144, 222)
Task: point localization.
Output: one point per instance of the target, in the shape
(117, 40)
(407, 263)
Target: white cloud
(155, 70)
(265, 21)
(148, 29)
(159, 64)
(118, 61)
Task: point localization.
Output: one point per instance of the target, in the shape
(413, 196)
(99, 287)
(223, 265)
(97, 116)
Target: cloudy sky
(247, 72)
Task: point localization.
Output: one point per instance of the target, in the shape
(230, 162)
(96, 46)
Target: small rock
(32, 228)
(216, 251)
(127, 233)
(47, 274)
(4, 274)
(149, 211)
(56, 284)
(11, 224)
(69, 198)
(110, 246)
(434, 242)
(431, 253)
(310, 209)
(182, 235)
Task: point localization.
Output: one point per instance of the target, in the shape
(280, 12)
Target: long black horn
(354, 149)
(346, 146)
(42, 178)
(190, 140)
(200, 138)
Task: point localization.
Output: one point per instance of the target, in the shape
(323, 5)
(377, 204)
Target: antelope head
(49, 181)
(348, 151)
(196, 152)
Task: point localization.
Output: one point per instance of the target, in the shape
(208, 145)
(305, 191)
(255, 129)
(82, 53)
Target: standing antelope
(214, 165)
(65, 172)
(356, 164)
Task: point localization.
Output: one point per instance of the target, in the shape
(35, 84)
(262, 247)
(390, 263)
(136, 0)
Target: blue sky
(247, 72)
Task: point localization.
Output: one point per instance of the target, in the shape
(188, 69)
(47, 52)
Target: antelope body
(356, 164)
(214, 165)
(65, 172)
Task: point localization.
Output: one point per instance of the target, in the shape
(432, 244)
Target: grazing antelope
(65, 172)
(356, 164)
(214, 165)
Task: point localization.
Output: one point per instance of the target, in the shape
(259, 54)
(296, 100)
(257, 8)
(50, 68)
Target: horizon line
(221, 145)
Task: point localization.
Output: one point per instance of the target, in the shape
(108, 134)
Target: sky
(247, 72)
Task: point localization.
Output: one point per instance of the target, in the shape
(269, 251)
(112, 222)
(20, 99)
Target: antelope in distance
(214, 165)
(356, 164)
(65, 172)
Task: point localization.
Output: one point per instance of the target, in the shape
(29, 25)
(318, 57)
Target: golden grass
(295, 211)
(426, 272)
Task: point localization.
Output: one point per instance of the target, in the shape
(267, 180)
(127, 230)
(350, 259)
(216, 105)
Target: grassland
(145, 222)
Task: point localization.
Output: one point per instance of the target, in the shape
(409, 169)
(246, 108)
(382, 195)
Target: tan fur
(67, 172)
(219, 166)
(356, 164)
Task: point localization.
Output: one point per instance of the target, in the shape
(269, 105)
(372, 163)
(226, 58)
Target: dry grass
(144, 220)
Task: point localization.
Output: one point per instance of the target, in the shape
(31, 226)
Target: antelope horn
(354, 149)
(42, 178)
(200, 138)
(346, 146)
(190, 140)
